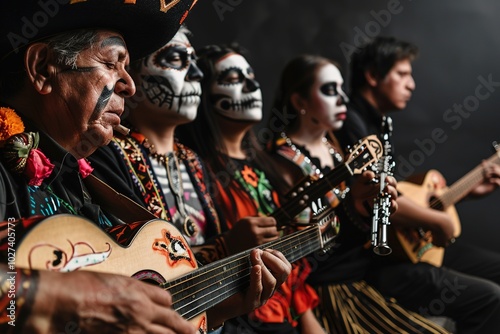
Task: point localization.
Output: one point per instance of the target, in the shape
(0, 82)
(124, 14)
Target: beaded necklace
(337, 158)
(309, 167)
(171, 164)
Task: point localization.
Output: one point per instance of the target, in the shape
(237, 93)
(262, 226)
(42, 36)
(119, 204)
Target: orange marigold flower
(10, 123)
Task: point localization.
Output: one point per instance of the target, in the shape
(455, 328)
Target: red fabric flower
(38, 167)
(85, 168)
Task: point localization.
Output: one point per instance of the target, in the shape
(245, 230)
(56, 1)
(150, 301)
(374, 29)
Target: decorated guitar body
(156, 251)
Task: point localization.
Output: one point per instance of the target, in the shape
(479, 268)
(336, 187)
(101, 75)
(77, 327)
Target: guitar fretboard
(462, 187)
(318, 188)
(200, 290)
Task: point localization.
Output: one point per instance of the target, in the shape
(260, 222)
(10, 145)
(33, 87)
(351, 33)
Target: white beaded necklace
(337, 158)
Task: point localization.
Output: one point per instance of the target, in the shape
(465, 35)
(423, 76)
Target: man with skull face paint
(247, 182)
(150, 166)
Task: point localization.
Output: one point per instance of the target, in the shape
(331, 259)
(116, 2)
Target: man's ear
(371, 78)
(297, 101)
(38, 67)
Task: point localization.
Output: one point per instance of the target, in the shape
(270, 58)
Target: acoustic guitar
(156, 252)
(430, 190)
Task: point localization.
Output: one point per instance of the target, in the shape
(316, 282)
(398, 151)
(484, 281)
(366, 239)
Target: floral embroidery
(249, 176)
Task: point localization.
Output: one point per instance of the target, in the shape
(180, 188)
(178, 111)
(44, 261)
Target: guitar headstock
(366, 152)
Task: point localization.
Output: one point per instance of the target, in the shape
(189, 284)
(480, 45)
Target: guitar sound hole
(436, 203)
(150, 276)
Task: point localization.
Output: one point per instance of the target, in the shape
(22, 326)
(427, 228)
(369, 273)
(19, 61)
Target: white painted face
(326, 102)
(235, 93)
(170, 79)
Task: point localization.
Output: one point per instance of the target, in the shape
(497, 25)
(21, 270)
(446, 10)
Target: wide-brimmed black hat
(146, 25)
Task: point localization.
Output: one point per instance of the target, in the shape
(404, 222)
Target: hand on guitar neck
(490, 181)
(250, 232)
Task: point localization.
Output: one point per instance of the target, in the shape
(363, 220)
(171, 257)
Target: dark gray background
(458, 43)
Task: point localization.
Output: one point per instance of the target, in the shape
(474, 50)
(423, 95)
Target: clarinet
(382, 203)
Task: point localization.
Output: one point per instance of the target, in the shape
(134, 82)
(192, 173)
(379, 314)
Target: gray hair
(68, 46)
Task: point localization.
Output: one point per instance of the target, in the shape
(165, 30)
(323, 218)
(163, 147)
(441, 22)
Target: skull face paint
(235, 93)
(326, 103)
(170, 78)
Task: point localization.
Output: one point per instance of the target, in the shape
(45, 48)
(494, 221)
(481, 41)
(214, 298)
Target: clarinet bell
(382, 249)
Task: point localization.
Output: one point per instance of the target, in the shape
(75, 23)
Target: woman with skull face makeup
(247, 182)
(312, 101)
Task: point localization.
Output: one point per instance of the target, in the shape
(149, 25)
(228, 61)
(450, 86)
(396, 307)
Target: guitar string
(204, 297)
(317, 191)
(465, 182)
(310, 249)
(215, 294)
(294, 249)
(274, 244)
(218, 297)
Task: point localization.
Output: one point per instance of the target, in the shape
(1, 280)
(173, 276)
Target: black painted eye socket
(232, 75)
(329, 89)
(176, 57)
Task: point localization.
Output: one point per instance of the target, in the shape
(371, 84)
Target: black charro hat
(146, 25)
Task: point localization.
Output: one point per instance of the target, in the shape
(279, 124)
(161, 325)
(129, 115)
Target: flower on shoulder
(22, 156)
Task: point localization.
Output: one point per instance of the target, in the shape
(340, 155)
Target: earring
(302, 111)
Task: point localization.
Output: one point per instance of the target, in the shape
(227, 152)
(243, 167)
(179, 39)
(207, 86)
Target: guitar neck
(463, 186)
(310, 192)
(202, 289)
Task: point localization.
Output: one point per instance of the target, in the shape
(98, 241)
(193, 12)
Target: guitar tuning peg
(495, 145)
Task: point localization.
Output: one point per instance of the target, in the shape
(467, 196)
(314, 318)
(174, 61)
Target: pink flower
(38, 167)
(85, 168)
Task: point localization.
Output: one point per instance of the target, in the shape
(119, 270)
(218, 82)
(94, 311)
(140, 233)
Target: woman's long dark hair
(203, 134)
(298, 76)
